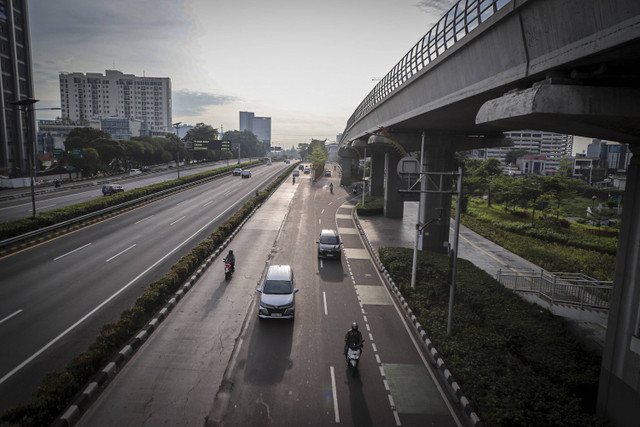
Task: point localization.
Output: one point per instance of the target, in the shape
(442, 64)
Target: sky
(306, 64)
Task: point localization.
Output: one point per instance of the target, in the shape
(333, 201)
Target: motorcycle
(228, 270)
(353, 356)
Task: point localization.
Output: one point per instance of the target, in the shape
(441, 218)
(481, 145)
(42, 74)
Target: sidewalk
(484, 254)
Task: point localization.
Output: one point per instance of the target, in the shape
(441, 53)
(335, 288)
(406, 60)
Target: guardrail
(574, 289)
(459, 21)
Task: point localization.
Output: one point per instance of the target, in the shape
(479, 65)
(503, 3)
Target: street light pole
(177, 126)
(24, 105)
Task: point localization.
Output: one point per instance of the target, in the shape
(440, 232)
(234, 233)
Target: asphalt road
(54, 297)
(212, 362)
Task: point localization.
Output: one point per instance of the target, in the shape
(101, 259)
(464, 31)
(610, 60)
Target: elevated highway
(487, 67)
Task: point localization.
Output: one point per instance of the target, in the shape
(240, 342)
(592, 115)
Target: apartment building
(114, 94)
(260, 126)
(17, 128)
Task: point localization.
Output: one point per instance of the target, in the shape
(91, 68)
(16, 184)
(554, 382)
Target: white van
(278, 293)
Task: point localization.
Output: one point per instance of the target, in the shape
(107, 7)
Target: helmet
(230, 252)
(354, 326)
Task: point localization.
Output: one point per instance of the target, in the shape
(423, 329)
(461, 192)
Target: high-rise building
(17, 129)
(114, 94)
(260, 126)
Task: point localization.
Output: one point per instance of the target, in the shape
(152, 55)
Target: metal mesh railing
(560, 288)
(461, 19)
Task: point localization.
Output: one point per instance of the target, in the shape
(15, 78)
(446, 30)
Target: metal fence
(461, 19)
(560, 288)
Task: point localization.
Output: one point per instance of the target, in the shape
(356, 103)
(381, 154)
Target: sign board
(226, 145)
(58, 153)
(76, 153)
(408, 166)
(276, 148)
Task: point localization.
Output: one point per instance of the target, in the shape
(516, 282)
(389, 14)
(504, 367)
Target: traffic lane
(72, 299)
(174, 376)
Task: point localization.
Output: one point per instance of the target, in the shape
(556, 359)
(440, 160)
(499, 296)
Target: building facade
(260, 126)
(17, 129)
(114, 94)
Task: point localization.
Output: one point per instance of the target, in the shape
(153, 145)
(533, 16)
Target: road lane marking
(10, 316)
(120, 253)
(178, 220)
(144, 219)
(69, 253)
(324, 297)
(207, 204)
(105, 302)
(335, 395)
(47, 206)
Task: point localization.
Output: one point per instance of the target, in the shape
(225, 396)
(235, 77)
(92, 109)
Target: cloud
(191, 103)
(435, 8)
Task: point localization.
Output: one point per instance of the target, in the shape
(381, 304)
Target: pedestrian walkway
(484, 254)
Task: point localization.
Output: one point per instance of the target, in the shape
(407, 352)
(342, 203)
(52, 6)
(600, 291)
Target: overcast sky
(306, 64)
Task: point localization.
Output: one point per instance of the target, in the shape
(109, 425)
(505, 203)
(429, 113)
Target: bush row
(44, 219)
(59, 388)
(514, 361)
(372, 206)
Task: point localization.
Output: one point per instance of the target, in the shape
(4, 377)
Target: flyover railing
(574, 289)
(459, 21)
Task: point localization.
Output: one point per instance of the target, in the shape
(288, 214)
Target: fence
(574, 289)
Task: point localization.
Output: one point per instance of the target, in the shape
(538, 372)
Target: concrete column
(393, 203)
(619, 387)
(439, 157)
(377, 173)
(345, 177)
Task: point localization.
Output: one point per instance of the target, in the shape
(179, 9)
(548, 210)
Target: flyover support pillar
(439, 157)
(393, 202)
(619, 387)
(345, 176)
(377, 173)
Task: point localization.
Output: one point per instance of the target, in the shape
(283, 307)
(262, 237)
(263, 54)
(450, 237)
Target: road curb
(435, 357)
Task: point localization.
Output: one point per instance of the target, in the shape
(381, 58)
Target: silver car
(277, 294)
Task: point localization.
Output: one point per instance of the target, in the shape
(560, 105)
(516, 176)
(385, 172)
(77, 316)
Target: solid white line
(335, 395)
(47, 206)
(178, 220)
(69, 253)
(144, 219)
(105, 302)
(324, 297)
(118, 254)
(10, 316)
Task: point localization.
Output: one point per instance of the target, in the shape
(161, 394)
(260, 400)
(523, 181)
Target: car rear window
(278, 287)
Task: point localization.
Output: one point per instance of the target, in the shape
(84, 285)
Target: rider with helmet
(232, 259)
(353, 336)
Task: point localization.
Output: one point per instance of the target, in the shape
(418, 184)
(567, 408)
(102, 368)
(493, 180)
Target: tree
(249, 144)
(303, 150)
(318, 155)
(514, 155)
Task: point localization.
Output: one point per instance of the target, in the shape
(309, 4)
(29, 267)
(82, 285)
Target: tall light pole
(24, 105)
(177, 126)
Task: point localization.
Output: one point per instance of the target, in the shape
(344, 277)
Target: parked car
(277, 293)
(327, 172)
(329, 245)
(246, 173)
(134, 172)
(110, 189)
(296, 173)
(237, 172)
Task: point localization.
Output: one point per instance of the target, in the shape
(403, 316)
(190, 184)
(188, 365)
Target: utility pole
(177, 126)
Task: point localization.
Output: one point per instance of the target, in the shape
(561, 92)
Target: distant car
(296, 173)
(287, 161)
(307, 170)
(110, 189)
(327, 173)
(301, 167)
(237, 172)
(329, 244)
(145, 169)
(246, 173)
(134, 172)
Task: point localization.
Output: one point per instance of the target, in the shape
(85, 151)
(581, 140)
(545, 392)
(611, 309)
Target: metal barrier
(461, 19)
(574, 289)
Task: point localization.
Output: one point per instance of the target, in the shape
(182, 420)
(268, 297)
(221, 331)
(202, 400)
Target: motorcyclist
(331, 187)
(232, 259)
(353, 336)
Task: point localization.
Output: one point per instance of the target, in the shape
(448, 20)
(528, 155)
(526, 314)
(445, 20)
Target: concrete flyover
(487, 67)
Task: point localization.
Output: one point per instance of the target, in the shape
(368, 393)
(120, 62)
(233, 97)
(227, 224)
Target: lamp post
(24, 105)
(177, 126)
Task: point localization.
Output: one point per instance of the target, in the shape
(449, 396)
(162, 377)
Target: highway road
(213, 362)
(54, 297)
(17, 202)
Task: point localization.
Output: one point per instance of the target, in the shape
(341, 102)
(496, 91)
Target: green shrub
(514, 361)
